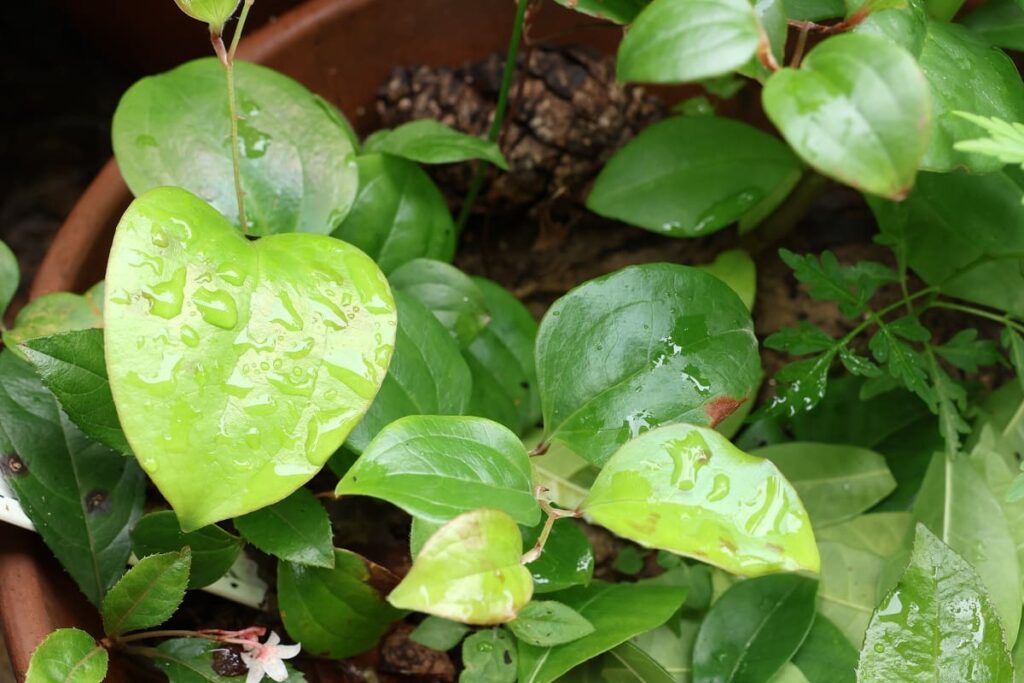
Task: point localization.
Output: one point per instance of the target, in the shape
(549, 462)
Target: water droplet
(160, 239)
(217, 307)
(189, 336)
(166, 297)
(231, 274)
(146, 141)
(252, 142)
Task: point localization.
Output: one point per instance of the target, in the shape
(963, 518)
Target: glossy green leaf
(446, 292)
(619, 11)
(627, 663)
(10, 276)
(815, 10)
(964, 72)
(68, 655)
(298, 166)
(431, 142)
(469, 571)
(834, 483)
(674, 42)
(190, 660)
(214, 341)
(693, 175)
(82, 497)
(55, 313)
(826, 656)
(671, 645)
(688, 490)
(857, 110)
(956, 502)
(337, 612)
(1000, 22)
(427, 374)
(489, 657)
(752, 630)
(546, 623)
(439, 634)
(148, 595)
(645, 346)
(72, 366)
(566, 560)
(938, 624)
(617, 611)
(295, 529)
(735, 268)
(964, 233)
(438, 467)
(213, 550)
(213, 12)
(398, 215)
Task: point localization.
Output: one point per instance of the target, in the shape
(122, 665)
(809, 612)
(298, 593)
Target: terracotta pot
(341, 49)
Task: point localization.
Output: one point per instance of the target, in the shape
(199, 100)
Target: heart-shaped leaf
(298, 165)
(645, 346)
(673, 41)
(858, 110)
(72, 366)
(546, 623)
(438, 467)
(754, 628)
(296, 529)
(427, 375)
(688, 490)
(213, 12)
(148, 595)
(398, 214)
(55, 313)
(213, 549)
(937, 624)
(469, 571)
(337, 612)
(693, 175)
(448, 293)
(431, 142)
(68, 655)
(237, 367)
(619, 11)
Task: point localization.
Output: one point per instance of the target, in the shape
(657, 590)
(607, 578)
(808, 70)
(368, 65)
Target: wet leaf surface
(296, 529)
(213, 549)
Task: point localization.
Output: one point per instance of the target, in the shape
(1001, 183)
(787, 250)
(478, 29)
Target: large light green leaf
(674, 41)
(645, 346)
(693, 175)
(857, 110)
(213, 12)
(298, 166)
(956, 503)
(336, 612)
(438, 467)
(448, 293)
(834, 482)
(398, 214)
(68, 655)
(82, 497)
(427, 375)
(938, 624)
(237, 367)
(148, 595)
(296, 529)
(754, 629)
(431, 142)
(618, 612)
(964, 233)
(965, 73)
(213, 550)
(619, 11)
(469, 571)
(688, 490)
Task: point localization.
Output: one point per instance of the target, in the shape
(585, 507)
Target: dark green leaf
(850, 286)
(298, 166)
(546, 623)
(950, 403)
(148, 595)
(1000, 22)
(427, 374)
(82, 497)
(674, 42)
(431, 142)
(190, 660)
(814, 10)
(826, 656)
(566, 560)
(802, 386)
(10, 276)
(439, 634)
(337, 612)
(296, 529)
(611, 355)
(967, 352)
(689, 176)
(489, 657)
(752, 630)
(937, 624)
(68, 655)
(857, 110)
(627, 663)
(72, 367)
(629, 561)
(55, 313)
(619, 11)
(1014, 344)
(398, 214)
(617, 612)
(446, 292)
(801, 340)
(904, 363)
(213, 549)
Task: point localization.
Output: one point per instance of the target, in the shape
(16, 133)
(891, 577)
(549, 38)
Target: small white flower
(267, 659)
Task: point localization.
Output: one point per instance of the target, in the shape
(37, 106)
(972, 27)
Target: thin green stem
(168, 633)
(979, 312)
(553, 515)
(876, 316)
(235, 39)
(499, 112)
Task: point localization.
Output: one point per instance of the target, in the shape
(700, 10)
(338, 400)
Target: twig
(553, 516)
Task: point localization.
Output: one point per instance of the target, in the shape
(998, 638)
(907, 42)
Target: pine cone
(567, 115)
